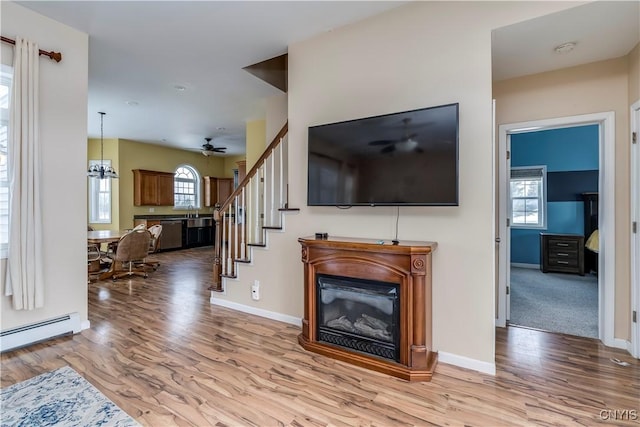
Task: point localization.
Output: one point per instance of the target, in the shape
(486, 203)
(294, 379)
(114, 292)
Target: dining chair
(93, 261)
(156, 231)
(132, 251)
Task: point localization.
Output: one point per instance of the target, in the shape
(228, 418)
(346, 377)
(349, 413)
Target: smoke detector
(565, 47)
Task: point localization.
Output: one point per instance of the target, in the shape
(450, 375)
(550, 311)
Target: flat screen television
(406, 158)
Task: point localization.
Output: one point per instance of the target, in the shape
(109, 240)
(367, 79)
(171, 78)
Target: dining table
(97, 237)
(110, 237)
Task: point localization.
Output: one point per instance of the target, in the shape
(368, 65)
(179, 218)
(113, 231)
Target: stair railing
(254, 206)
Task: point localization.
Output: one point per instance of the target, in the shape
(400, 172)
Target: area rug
(59, 398)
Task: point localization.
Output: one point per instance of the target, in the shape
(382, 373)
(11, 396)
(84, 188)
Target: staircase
(255, 206)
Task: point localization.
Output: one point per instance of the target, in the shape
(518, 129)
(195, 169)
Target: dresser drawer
(557, 244)
(563, 253)
(563, 262)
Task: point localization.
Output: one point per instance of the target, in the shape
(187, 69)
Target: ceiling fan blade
(418, 150)
(382, 142)
(389, 149)
(219, 149)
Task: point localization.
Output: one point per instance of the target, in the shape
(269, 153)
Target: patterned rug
(59, 398)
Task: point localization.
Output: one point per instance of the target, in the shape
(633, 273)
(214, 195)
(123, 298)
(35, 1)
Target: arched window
(186, 188)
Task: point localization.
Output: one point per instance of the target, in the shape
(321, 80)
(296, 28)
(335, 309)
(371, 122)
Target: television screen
(407, 158)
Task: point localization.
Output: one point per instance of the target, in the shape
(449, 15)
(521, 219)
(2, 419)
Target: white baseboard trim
(465, 362)
(257, 311)
(85, 324)
(522, 265)
(621, 344)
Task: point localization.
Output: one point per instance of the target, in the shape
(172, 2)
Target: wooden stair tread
(259, 245)
(289, 209)
(271, 227)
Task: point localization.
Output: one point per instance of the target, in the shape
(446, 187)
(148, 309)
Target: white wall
(418, 55)
(63, 131)
(276, 115)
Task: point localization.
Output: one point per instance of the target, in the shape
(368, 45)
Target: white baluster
(281, 175)
(251, 208)
(223, 256)
(272, 190)
(235, 228)
(262, 217)
(243, 226)
(229, 254)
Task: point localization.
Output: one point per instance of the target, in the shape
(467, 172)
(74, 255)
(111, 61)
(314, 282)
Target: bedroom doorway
(553, 191)
(606, 248)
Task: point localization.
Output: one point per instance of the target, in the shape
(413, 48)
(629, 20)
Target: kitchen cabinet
(217, 190)
(242, 170)
(152, 188)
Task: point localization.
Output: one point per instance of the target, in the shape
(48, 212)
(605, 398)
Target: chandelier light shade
(101, 171)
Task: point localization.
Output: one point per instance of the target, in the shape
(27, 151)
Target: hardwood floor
(161, 352)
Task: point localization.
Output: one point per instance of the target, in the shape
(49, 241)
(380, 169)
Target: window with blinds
(528, 197)
(6, 73)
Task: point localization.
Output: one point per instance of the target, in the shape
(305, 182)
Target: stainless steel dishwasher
(171, 237)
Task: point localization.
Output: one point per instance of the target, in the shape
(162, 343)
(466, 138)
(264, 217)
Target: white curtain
(25, 281)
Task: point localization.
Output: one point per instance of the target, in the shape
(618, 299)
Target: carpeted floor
(555, 302)
(59, 398)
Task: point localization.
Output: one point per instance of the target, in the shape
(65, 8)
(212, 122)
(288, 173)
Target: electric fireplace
(362, 315)
(368, 302)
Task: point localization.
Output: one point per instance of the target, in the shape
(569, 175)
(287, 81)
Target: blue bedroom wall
(571, 157)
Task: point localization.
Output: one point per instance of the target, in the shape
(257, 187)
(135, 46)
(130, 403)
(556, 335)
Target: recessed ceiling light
(565, 47)
(132, 103)
(180, 88)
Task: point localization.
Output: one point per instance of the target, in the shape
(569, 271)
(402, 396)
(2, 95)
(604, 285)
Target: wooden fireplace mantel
(407, 264)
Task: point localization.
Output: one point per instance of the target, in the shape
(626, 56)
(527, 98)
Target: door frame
(635, 237)
(606, 209)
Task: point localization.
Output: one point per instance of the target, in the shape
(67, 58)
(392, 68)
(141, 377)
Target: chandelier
(101, 171)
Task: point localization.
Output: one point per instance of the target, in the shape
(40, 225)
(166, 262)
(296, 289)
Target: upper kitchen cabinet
(152, 188)
(217, 190)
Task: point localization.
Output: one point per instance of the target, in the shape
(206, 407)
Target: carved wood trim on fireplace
(407, 264)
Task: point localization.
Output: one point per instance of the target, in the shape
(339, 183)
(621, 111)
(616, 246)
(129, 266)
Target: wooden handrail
(218, 214)
(256, 166)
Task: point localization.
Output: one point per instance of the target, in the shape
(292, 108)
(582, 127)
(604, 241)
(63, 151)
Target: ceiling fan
(210, 150)
(406, 143)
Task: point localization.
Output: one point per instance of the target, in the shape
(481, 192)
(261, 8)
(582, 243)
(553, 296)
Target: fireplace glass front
(361, 315)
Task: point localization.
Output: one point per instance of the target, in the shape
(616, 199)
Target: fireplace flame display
(359, 314)
(365, 325)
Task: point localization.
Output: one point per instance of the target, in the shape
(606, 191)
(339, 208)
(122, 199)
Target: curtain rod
(56, 56)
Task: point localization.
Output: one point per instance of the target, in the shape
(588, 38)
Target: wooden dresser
(563, 253)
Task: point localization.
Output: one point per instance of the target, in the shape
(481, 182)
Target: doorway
(553, 182)
(635, 237)
(606, 248)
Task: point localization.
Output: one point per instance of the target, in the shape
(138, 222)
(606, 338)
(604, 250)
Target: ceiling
(170, 72)
(600, 30)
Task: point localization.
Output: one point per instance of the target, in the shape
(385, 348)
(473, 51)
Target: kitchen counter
(180, 231)
(169, 217)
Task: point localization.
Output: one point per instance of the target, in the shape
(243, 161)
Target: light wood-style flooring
(160, 351)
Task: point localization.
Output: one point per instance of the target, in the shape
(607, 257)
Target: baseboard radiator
(41, 331)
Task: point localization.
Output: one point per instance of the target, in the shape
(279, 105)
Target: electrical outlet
(255, 290)
(152, 209)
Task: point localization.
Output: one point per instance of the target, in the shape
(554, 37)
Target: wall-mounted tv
(406, 158)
